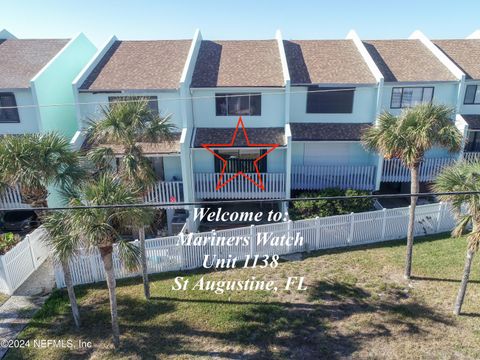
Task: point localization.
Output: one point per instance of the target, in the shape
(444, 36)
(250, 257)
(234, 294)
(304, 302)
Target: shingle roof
(148, 148)
(465, 53)
(407, 60)
(21, 60)
(473, 121)
(224, 135)
(326, 61)
(238, 63)
(140, 65)
(327, 131)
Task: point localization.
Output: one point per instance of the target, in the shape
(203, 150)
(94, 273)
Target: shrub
(321, 208)
(8, 241)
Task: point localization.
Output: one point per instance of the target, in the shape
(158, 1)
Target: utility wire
(241, 201)
(168, 99)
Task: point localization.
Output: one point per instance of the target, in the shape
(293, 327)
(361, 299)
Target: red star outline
(221, 184)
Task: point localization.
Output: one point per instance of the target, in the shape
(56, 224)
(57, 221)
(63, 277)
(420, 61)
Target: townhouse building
(303, 103)
(36, 77)
(465, 54)
(36, 90)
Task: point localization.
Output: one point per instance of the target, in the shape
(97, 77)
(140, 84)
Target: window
(152, 101)
(473, 141)
(328, 100)
(472, 95)
(8, 115)
(238, 104)
(404, 97)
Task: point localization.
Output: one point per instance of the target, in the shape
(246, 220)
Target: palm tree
(64, 246)
(408, 137)
(35, 162)
(101, 227)
(463, 177)
(125, 124)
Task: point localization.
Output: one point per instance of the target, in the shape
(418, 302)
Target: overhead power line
(242, 201)
(167, 99)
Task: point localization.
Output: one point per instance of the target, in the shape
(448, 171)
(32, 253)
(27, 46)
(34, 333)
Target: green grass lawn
(357, 306)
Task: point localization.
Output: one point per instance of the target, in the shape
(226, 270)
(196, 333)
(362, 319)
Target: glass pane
(256, 104)
(417, 96)
(8, 115)
(221, 105)
(238, 105)
(477, 95)
(396, 97)
(427, 94)
(407, 97)
(470, 94)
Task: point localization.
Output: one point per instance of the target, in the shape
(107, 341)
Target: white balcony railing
(240, 187)
(313, 177)
(165, 192)
(471, 156)
(11, 198)
(394, 171)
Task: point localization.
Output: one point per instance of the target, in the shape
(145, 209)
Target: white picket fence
(168, 254)
(360, 177)
(20, 262)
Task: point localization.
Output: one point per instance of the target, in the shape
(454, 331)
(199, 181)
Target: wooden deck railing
(240, 187)
(360, 177)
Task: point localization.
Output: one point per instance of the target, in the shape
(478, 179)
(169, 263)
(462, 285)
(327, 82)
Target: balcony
(164, 192)
(395, 171)
(471, 156)
(360, 177)
(240, 187)
(10, 198)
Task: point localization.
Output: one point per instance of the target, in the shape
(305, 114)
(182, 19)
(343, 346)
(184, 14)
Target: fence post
(289, 235)
(252, 240)
(32, 254)
(384, 222)
(180, 244)
(317, 233)
(439, 217)
(7, 275)
(350, 237)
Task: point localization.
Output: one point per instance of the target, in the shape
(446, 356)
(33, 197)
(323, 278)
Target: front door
(241, 160)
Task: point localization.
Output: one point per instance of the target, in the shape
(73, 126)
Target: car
(20, 220)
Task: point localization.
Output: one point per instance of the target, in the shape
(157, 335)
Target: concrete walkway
(17, 311)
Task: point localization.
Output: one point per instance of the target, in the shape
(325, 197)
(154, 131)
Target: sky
(246, 19)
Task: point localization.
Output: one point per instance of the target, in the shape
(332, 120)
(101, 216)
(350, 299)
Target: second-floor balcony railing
(395, 171)
(240, 187)
(165, 192)
(471, 156)
(317, 177)
(11, 198)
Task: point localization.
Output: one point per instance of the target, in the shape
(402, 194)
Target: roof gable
(22, 59)
(326, 61)
(242, 63)
(139, 65)
(465, 53)
(407, 61)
